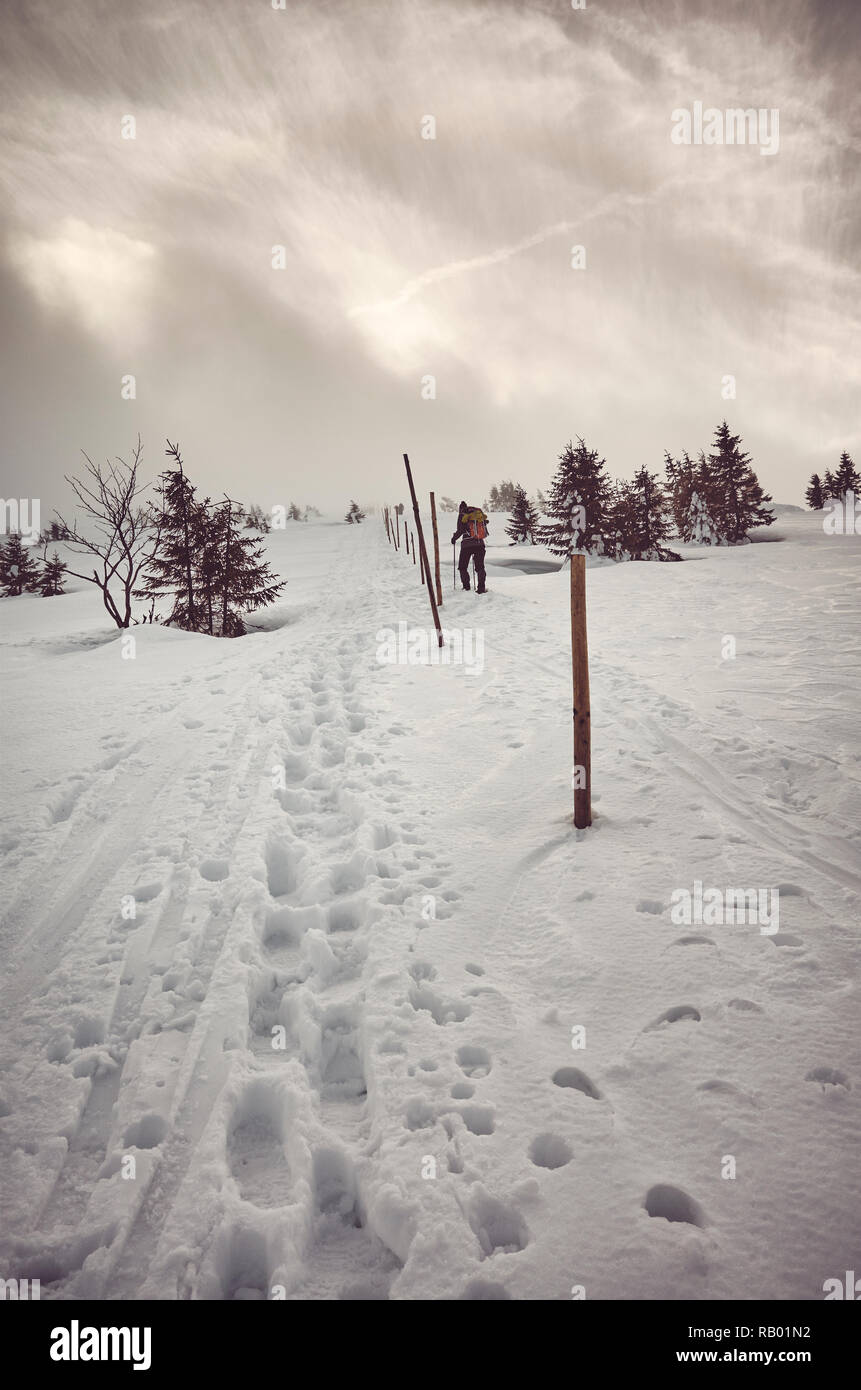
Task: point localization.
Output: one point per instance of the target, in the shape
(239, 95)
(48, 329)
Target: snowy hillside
(300, 948)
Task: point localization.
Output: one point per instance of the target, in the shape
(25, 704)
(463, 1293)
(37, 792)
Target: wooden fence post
(436, 551)
(423, 550)
(398, 532)
(413, 539)
(582, 778)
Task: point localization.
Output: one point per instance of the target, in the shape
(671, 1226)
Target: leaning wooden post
(386, 519)
(582, 719)
(436, 551)
(423, 550)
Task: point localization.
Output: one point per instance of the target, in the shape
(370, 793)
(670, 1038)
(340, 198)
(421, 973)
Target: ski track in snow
(363, 931)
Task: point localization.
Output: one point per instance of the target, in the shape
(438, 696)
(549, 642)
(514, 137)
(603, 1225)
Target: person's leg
(479, 567)
(463, 563)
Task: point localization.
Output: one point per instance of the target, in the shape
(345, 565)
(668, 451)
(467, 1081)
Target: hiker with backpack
(471, 531)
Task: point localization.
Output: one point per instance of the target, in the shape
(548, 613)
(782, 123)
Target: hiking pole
(453, 568)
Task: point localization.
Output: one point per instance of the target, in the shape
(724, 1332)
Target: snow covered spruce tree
(171, 571)
(240, 580)
(579, 504)
(51, 582)
(18, 571)
(523, 522)
(736, 496)
(814, 496)
(846, 479)
(354, 514)
(210, 572)
(680, 475)
(641, 517)
(700, 527)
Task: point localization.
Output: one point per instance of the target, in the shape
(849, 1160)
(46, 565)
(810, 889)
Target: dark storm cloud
(408, 257)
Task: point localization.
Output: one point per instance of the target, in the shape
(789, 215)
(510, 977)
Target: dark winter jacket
(471, 524)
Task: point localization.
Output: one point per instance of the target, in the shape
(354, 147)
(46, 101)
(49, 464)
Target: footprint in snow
(282, 861)
(572, 1078)
(718, 1087)
(145, 892)
(479, 1119)
(335, 1191)
(258, 1164)
(675, 1015)
(673, 1204)
(829, 1076)
(484, 1290)
(550, 1151)
(245, 1267)
(442, 1011)
(264, 1013)
(473, 1061)
(214, 870)
(498, 1226)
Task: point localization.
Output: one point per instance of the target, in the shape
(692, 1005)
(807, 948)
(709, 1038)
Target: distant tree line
(256, 519)
(20, 573)
(834, 486)
(715, 499)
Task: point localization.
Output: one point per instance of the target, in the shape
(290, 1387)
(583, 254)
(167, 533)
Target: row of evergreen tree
(714, 500)
(257, 520)
(834, 486)
(21, 573)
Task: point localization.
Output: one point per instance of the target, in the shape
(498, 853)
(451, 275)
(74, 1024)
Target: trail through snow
(309, 938)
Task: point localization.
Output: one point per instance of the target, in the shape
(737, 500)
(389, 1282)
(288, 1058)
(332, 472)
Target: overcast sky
(408, 257)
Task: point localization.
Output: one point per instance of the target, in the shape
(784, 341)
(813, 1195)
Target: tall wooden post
(413, 539)
(423, 550)
(398, 531)
(582, 716)
(436, 551)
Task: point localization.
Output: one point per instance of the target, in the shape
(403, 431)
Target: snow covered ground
(299, 948)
